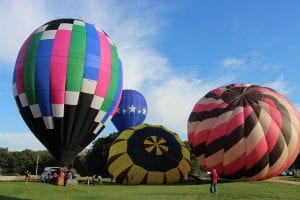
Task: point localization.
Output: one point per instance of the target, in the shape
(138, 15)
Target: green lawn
(230, 191)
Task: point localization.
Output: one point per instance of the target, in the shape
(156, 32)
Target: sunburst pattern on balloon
(155, 144)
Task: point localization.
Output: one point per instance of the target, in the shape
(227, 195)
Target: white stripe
(79, 22)
(15, 89)
(48, 121)
(108, 120)
(35, 110)
(88, 86)
(100, 116)
(23, 99)
(99, 29)
(71, 97)
(58, 110)
(97, 102)
(65, 26)
(97, 129)
(110, 41)
(42, 28)
(48, 35)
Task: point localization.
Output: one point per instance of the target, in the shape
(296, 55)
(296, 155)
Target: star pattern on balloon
(132, 108)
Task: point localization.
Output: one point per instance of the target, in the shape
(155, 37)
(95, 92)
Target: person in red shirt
(214, 180)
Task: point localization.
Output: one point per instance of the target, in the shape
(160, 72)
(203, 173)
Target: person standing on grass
(27, 175)
(214, 180)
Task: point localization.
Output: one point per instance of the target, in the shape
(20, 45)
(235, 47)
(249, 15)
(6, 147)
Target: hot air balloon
(67, 84)
(245, 132)
(148, 154)
(132, 110)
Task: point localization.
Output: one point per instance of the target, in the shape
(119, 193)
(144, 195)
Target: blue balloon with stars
(132, 110)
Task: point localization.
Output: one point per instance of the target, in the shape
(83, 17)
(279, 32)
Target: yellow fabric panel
(148, 142)
(136, 173)
(184, 166)
(155, 177)
(185, 153)
(149, 149)
(120, 164)
(158, 151)
(173, 175)
(162, 141)
(117, 148)
(125, 134)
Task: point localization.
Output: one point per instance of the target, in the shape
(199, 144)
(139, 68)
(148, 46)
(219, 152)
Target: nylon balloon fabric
(148, 154)
(132, 110)
(67, 84)
(245, 132)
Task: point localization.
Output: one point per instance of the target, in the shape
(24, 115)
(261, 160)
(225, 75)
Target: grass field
(242, 190)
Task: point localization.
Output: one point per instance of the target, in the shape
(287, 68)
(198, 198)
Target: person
(27, 175)
(69, 178)
(214, 180)
(94, 179)
(99, 179)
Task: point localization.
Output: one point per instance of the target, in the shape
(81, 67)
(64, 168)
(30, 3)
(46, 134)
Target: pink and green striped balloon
(67, 84)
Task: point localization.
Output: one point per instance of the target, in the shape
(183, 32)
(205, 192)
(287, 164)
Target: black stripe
(69, 117)
(276, 152)
(259, 166)
(211, 94)
(203, 115)
(53, 25)
(237, 175)
(199, 149)
(81, 113)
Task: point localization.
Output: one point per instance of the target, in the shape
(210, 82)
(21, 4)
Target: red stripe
(208, 107)
(200, 137)
(257, 153)
(274, 131)
(239, 119)
(218, 167)
(235, 166)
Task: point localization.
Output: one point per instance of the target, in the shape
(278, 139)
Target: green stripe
(113, 85)
(29, 68)
(76, 58)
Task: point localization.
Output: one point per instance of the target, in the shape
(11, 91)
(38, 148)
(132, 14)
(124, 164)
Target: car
(47, 172)
(290, 172)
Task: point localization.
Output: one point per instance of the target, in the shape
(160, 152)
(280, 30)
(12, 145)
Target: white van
(47, 172)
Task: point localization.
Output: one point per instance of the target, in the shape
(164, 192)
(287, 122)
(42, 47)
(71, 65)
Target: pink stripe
(257, 153)
(217, 91)
(201, 137)
(235, 165)
(117, 105)
(274, 131)
(239, 119)
(58, 66)
(208, 107)
(105, 66)
(20, 66)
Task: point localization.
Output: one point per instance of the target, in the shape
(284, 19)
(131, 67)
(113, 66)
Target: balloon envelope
(245, 132)
(67, 83)
(148, 154)
(132, 110)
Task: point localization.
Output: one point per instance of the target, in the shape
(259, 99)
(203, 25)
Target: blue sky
(174, 52)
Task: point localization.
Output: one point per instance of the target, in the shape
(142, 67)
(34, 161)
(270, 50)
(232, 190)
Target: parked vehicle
(48, 171)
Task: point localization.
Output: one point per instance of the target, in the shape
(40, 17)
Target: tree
(96, 158)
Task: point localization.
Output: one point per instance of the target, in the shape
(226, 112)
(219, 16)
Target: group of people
(61, 176)
(95, 180)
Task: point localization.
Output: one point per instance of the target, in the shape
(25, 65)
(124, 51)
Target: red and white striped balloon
(245, 132)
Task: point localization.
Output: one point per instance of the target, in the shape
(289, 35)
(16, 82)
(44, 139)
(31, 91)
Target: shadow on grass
(11, 198)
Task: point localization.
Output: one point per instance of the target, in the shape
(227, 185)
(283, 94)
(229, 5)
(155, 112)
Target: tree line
(88, 162)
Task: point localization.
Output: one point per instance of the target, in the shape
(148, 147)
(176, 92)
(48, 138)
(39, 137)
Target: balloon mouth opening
(242, 96)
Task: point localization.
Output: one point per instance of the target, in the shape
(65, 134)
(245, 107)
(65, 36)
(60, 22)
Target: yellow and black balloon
(148, 154)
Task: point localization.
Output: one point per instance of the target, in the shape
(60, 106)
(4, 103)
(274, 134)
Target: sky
(173, 51)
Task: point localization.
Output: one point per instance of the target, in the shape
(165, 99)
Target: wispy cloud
(19, 141)
(233, 62)
(280, 85)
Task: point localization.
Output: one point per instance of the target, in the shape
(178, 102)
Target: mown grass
(236, 190)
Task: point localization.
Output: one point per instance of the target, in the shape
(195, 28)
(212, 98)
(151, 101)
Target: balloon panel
(245, 132)
(148, 154)
(132, 110)
(67, 84)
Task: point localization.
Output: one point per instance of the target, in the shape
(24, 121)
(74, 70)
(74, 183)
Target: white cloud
(19, 141)
(280, 85)
(170, 93)
(233, 62)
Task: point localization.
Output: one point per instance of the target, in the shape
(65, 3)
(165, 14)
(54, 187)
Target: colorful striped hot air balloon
(245, 132)
(132, 110)
(67, 84)
(148, 154)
